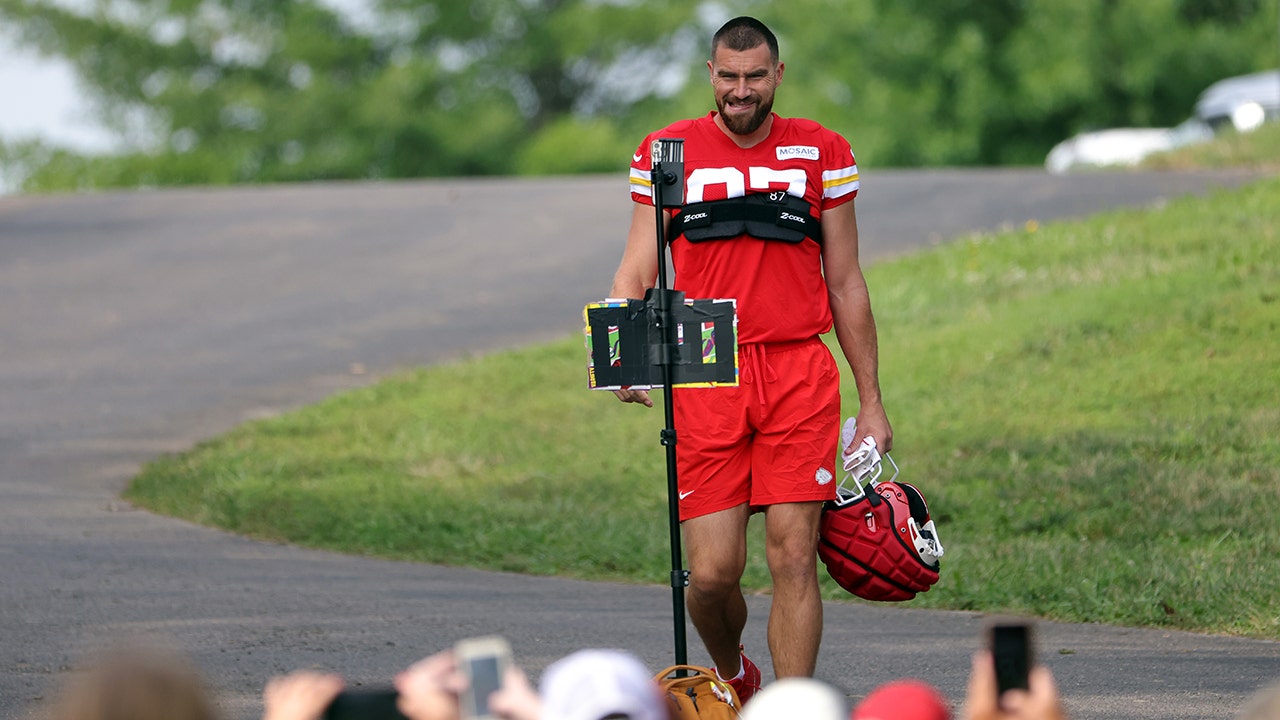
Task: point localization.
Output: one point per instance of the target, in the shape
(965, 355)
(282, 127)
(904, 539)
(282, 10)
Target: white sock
(741, 674)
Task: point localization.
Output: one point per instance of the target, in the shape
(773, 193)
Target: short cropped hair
(744, 33)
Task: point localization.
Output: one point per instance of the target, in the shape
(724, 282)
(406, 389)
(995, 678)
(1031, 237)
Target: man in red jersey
(769, 221)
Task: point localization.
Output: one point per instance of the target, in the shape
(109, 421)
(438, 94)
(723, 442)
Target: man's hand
(627, 395)
(873, 422)
(1040, 702)
(302, 695)
(429, 689)
(516, 699)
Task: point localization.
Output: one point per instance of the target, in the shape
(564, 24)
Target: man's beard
(745, 124)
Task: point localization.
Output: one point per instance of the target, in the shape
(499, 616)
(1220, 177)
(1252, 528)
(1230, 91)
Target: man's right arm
(637, 272)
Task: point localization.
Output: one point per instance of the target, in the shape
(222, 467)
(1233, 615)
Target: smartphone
(1011, 647)
(364, 704)
(483, 661)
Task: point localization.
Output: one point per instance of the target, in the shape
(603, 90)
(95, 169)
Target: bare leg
(716, 546)
(795, 619)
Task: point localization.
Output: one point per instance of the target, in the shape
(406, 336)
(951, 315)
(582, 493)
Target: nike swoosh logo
(684, 495)
(637, 158)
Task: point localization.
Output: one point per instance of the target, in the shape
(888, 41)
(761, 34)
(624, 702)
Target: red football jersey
(779, 288)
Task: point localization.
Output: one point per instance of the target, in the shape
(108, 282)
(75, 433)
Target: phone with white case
(484, 662)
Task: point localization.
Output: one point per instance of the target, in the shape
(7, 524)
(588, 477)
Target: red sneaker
(749, 683)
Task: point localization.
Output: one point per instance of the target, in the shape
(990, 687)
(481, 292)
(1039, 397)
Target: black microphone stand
(668, 192)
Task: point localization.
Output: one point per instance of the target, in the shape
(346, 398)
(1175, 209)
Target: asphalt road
(138, 323)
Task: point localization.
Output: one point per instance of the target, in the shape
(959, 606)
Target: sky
(41, 98)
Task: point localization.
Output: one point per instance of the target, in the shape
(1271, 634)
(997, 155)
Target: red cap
(903, 700)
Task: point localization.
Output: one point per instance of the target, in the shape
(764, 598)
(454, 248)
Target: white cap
(592, 684)
(796, 697)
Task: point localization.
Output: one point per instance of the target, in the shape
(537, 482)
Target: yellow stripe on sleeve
(841, 182)
(641, 183)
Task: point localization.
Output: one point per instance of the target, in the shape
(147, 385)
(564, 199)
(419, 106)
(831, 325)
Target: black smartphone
(364, 704)
(1011, 647)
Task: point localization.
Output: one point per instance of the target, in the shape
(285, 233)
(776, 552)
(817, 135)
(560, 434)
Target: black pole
(668, 170)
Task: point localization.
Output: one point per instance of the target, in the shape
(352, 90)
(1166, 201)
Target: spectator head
(597, 684)
(1264, 705)
(796, 697)
(135, 683)
(903, 700)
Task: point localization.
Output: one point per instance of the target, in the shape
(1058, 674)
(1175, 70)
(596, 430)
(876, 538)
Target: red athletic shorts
(770, 440)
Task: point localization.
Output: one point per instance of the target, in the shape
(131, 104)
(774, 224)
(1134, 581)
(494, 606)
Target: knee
(714, 583)
(792, 559)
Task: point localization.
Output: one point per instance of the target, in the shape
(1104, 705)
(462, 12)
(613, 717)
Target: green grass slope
(1092, 409)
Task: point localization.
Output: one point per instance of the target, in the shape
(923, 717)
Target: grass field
(1092, 409)
(1258, 150)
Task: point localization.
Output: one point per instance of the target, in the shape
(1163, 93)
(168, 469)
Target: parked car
(1122, 146)
(1241, 103)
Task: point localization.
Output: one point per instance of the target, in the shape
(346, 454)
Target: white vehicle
(1122, 146)
(1241, 103)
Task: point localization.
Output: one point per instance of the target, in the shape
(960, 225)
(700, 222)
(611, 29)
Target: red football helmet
(876, 538)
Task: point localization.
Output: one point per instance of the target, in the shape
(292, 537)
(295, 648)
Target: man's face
(744, 83)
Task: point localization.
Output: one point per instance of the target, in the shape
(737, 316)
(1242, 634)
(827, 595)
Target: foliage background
(240, 91)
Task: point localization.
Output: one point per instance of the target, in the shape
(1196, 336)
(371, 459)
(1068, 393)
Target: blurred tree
(221, 91)
(992, 82)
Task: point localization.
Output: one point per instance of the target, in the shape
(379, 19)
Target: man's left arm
(855, 326)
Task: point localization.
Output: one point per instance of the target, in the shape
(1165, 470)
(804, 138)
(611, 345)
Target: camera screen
(485, 681)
